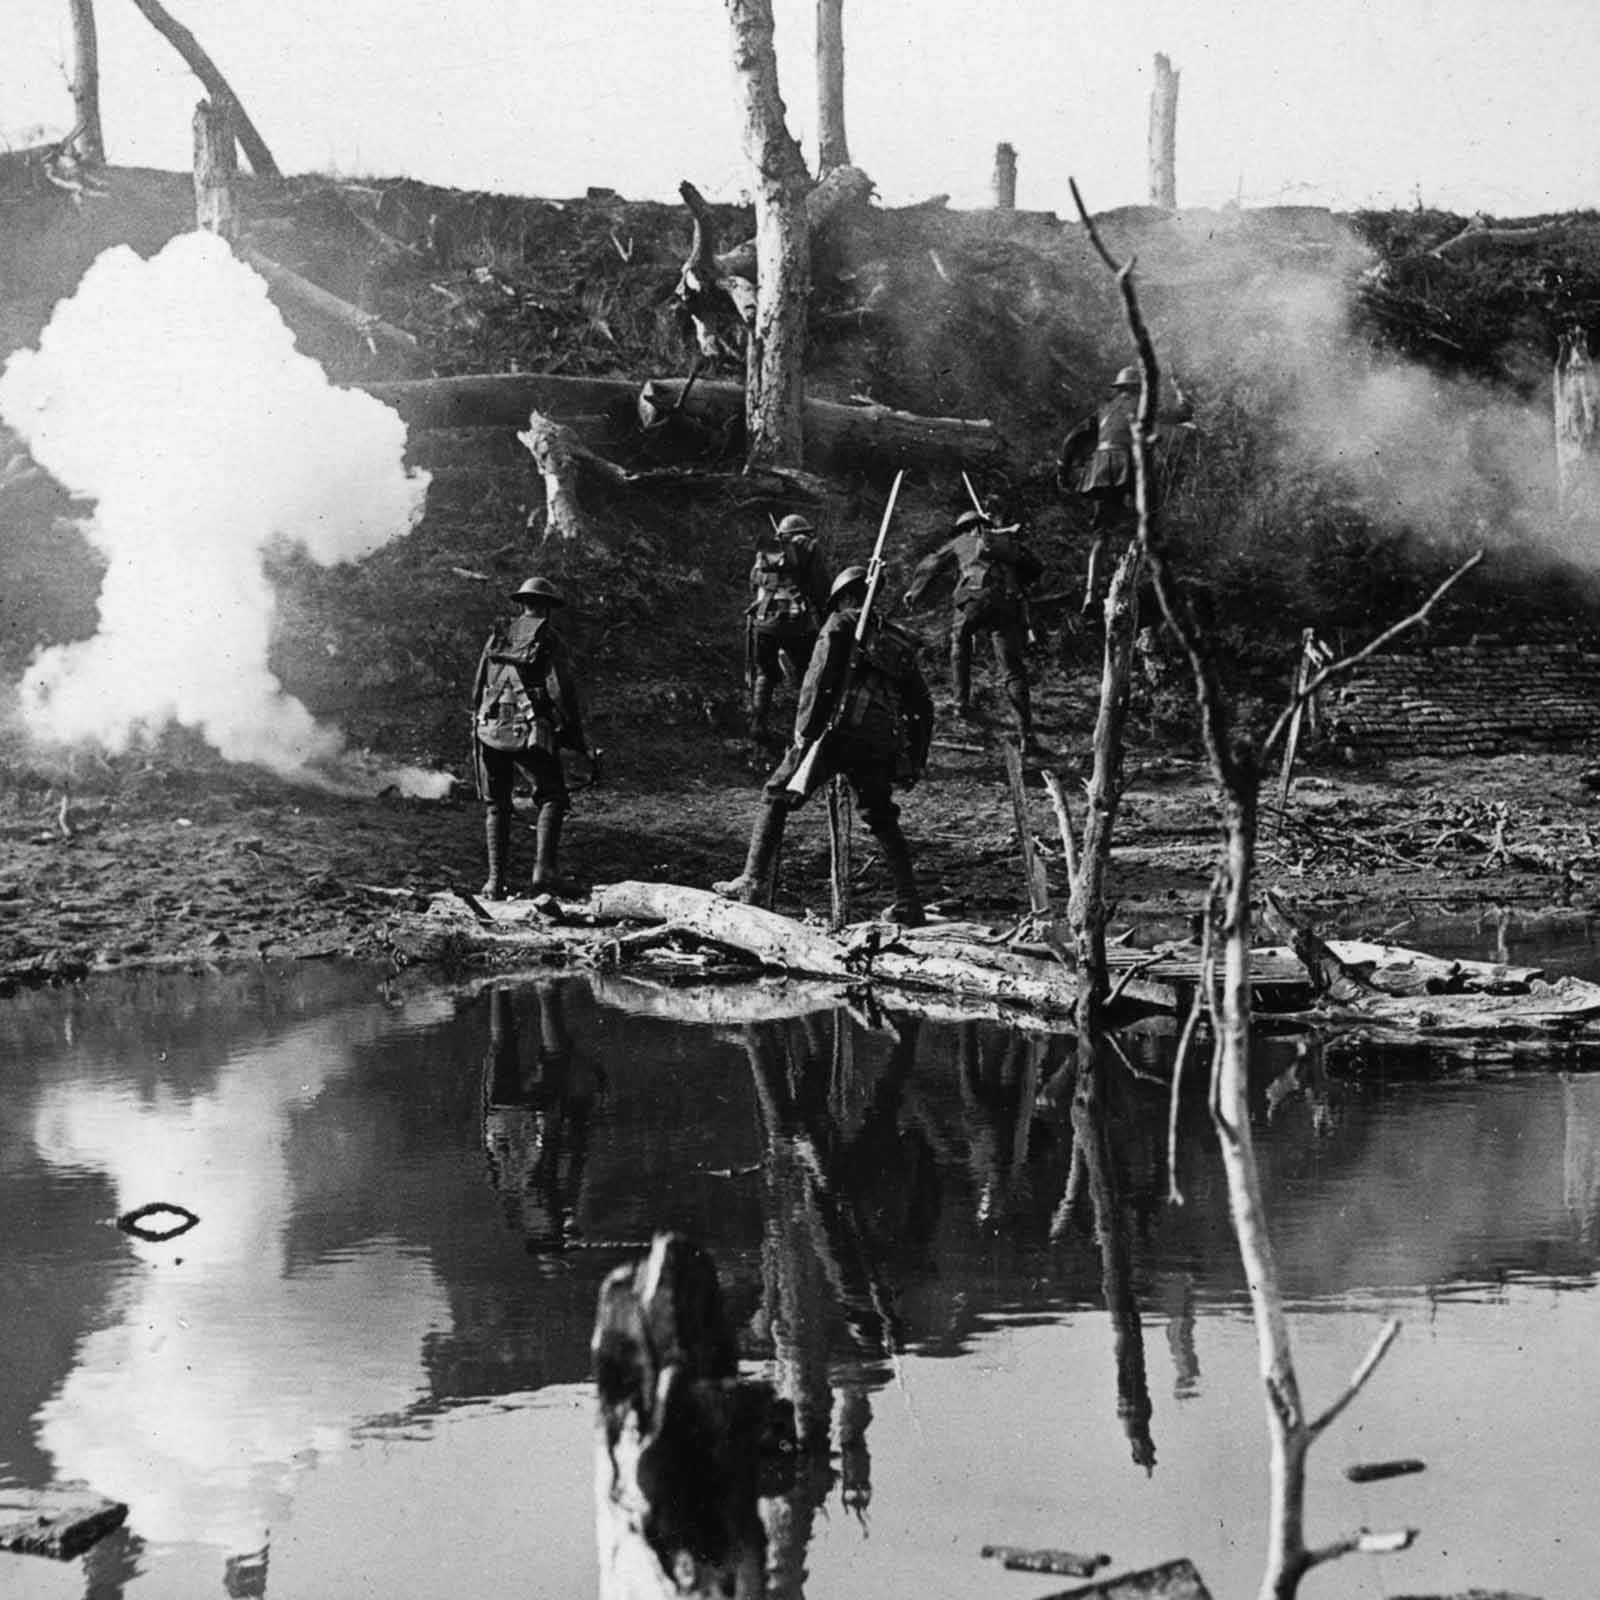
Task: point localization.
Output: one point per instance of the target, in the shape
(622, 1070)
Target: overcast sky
(1465, 104)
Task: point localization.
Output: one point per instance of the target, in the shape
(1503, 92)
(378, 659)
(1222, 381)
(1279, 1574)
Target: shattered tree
(775, 358)
(833, 148)
(90, 139)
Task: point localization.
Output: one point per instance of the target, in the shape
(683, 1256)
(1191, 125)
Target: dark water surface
(364, 1370)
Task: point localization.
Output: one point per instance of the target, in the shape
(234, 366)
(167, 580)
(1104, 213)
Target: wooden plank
(1172, 1580)
(1034, 882)
(61, 1522)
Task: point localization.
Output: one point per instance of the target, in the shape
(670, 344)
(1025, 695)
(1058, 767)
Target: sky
(1463, 104)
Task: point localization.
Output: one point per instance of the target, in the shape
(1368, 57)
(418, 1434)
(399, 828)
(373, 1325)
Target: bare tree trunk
(206, 70)
(1577, 413)
(833, 149)
(1005, 177)
(1164, 136)
(775, 358)
(214, 170)
(556, 453)
(86, 83)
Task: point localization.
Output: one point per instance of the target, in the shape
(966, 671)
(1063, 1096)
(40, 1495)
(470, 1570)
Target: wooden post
(215, 167)
(833, 148)
(1164, 136)
(1577, 418)
(1033, 873)
(1005, 177)
(839, 852)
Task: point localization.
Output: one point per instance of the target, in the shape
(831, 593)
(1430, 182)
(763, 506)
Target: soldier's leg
(766, 669)
(961, 660)
(553, 802)
(1008, 651)
(499, 772)
(875, 801)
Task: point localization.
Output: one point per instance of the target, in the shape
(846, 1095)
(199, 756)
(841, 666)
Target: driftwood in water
(62, 1522)
(679, 1437)
(1172, 1580)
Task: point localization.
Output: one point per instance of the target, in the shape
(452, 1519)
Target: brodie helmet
(793, 524)
(539, 589)
(1128, 378)
(848, 579)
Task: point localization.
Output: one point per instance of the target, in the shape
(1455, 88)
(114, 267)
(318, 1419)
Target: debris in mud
(1066, 1563)
(61, 1522)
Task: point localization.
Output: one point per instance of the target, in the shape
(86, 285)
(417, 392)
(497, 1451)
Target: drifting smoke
(1454, 461)
(170, 392)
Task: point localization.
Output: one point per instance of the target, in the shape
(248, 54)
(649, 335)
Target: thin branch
(1069, 849)
(1334, 669)
(1375, 1544)
(1129, 974)
(1369, 1365)
(1185, 1042)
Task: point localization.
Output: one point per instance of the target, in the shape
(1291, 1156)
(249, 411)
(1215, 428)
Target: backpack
(508, 714)
(776, 580)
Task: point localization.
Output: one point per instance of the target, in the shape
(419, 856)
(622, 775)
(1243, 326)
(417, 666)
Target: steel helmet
(1128, 378)
(794, 524)
(846, 580)
(971, 519)
(539, 589)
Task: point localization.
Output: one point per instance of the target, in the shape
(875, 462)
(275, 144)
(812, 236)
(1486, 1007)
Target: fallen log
(834, 431)
(380, 335)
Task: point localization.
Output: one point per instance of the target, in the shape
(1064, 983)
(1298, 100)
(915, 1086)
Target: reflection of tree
(1580, 1098)
(1095, 1156)
(538, 1100)
(851, 1190)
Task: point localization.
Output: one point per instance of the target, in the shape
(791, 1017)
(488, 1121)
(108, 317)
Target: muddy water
(363, 1369)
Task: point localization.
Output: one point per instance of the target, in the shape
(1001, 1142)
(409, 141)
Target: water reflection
(407, 1206)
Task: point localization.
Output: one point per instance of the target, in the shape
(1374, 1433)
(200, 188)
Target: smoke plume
(169, 391)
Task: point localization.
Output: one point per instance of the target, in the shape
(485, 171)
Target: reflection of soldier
(870, 706)
(849, 1190)
(993, 574)
(525, 711)
(789, 595)
(1097, 462)
(537, 1105)
(999, 1074)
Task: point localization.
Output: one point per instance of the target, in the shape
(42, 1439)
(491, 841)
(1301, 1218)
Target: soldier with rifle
(1097, 462)
(525, 711)
(864, 712)
(789, 594)
(994, 571)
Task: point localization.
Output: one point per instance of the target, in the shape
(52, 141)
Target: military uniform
(789, 596)
(993, 573)
(879, 738)
(1097, 462)
(525, 711)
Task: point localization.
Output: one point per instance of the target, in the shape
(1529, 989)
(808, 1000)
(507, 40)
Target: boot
(1022, 709)
(907, 908)
(756, 884)
(961, 675)
(497, 845)
(760, 702)
(547, 877)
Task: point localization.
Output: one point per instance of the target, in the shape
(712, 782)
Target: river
(364, 1369)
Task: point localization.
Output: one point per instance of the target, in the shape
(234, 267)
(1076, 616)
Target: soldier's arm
(825, 673)
(564, 690)
(926, 570)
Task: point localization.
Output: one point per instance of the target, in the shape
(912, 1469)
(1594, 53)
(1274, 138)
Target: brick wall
(1486, 696)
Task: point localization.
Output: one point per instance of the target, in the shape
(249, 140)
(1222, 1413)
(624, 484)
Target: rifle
(1022, 600)
(800, 783)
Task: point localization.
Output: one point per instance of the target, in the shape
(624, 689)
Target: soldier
(877, 713)
(789, 594)
(1097, 462)
(525, 711)
(993, 573)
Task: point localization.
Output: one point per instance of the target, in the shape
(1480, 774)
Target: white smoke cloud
(170, 392)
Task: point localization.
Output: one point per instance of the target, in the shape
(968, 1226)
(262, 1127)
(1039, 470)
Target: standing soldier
(871, 709)
(789, 594)
(993, 574)
(1097, 462)
(525, 711)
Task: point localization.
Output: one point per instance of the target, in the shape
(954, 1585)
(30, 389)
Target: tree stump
(679, 1438)
(1164, 136)
(556, 452)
